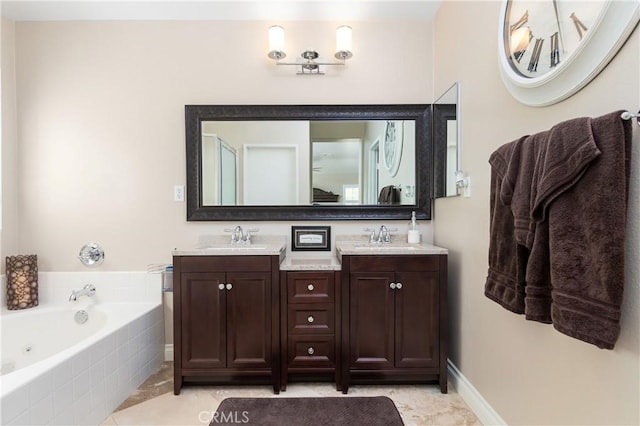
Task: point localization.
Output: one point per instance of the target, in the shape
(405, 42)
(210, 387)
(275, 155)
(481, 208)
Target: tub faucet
(87, 290)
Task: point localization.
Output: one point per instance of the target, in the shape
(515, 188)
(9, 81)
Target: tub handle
(91, 254)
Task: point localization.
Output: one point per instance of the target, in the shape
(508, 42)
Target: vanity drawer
(311, 318)
(310, 287)
(311, 352)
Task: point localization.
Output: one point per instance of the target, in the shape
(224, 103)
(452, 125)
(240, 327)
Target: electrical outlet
(178, 193)
(467, 188)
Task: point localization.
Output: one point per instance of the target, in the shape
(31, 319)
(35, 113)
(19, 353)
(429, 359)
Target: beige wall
(8, 145)
(527, 371)
(101, 120)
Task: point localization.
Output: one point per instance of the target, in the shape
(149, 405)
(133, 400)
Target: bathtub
(56, 370)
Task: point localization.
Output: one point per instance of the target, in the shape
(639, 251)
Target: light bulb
(343, 42)
(276, 42)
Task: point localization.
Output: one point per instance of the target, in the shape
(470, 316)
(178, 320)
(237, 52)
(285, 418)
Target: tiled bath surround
(87, 387)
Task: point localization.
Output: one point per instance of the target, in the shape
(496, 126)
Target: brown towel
(516, 193)
(557, 160)
(587, 226)
(388, 195)
(507, 261)
(558, 204)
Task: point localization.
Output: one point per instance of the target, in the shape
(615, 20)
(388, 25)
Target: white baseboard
(485, 412)
(168, 352)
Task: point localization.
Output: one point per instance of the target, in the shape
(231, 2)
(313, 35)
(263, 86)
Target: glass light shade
(276, 40)
(343, 41)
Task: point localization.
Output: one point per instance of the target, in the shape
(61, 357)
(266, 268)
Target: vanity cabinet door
(396, 327)
(416, 320)
(249, 320)
(204, 320)
(372, 320)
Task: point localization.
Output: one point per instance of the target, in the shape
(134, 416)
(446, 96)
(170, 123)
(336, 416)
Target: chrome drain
(81, 317)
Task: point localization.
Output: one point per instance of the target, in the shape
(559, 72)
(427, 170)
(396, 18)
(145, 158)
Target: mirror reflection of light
(520, 39)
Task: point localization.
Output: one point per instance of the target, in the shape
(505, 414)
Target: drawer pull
(399, 286)
(229, 286)
(310, 319)
(310, 287)
(221, 286)
(310, 351)
(393, 286)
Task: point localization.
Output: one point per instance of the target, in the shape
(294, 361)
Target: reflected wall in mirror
(346, 161)
(219, 171)
(308, 162)
(446, 140)
(318, 162)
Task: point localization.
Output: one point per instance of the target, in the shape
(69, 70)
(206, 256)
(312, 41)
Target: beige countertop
(360, 246)
(270, 245)
(306, 263)
(261, 245)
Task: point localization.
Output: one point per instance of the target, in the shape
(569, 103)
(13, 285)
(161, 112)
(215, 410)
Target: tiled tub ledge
(86, 381)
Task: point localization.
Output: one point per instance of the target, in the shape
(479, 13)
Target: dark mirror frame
(196, 114)
(441, 114)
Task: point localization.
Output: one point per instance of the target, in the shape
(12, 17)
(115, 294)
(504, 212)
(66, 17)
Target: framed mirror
(446, 140)
(308, 162)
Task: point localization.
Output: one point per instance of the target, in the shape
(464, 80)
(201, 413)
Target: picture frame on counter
(310, 238)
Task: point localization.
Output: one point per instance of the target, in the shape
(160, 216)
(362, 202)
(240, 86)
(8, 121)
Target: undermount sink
(393, 248)
(264, 245)
(234, 247)
(385, 247)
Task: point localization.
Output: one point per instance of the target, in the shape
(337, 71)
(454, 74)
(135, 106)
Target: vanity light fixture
(310, 65)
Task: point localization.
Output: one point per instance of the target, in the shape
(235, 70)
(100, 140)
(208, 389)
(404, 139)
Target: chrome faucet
(240, 236)
(237, 235)
(88, 290)
(384, 236)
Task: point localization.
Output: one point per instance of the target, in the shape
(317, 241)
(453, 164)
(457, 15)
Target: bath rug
(22, 281)
(276, 411)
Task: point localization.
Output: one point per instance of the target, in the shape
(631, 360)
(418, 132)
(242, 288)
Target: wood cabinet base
(394, 320)
(226, 320)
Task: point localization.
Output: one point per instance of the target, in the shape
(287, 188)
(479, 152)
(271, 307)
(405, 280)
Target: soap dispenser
(413, 236)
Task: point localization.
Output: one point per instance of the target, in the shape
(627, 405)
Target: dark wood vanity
(381, 319)
(310, 326)
(226, 320)
(394, 319)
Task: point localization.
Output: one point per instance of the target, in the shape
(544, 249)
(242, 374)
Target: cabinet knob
(310, 318)
(221, 286)
(393, 286)
(229, 286)
(399, 286)
(310, 287)
(310, 351)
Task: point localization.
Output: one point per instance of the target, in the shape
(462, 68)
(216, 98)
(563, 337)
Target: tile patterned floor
(155, 404)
